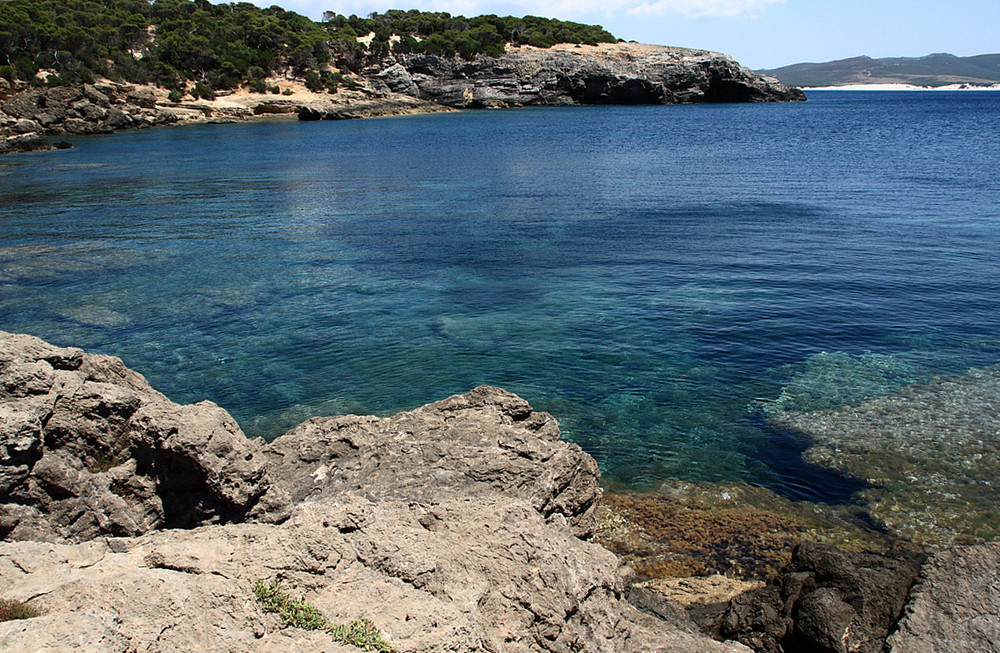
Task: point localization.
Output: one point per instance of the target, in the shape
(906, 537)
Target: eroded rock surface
(955, 605)
(485, 442)
(451, 526)
(487, 575)
(89, 449)
(609, 73)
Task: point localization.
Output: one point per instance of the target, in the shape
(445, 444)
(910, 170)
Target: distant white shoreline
(901, 87)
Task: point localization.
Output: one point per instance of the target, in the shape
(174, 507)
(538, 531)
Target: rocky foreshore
(131, 523)
(621, 73)
(134, 523)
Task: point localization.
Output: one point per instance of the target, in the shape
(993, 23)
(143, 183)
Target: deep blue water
(659, 278)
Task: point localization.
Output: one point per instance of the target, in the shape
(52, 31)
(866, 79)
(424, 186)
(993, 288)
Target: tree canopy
(173, 42)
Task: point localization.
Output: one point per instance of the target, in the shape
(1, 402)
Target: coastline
(901, 87)
(400, 84)
(462, 525)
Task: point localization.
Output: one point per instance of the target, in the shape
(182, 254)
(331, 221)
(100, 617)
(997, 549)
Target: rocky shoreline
(621, 73)
(130, 522)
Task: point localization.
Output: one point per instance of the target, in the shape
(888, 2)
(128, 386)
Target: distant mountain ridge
(938, 69)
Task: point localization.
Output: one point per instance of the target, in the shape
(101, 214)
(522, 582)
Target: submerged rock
(936, 488)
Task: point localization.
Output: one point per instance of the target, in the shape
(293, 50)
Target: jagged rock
(88, 448)
(448, 526)
(825, 601)
(457, 575)
(398, 80)
(619, 73)
(85, 109)
(955, 605)
(483, 442)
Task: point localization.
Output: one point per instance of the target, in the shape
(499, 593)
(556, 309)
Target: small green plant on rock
(301, 614)
(11, 609)
(103, 462)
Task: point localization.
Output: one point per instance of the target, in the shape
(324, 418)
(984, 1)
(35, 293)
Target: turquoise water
(659, 278)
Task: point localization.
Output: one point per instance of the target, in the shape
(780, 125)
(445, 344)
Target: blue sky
(759, 33)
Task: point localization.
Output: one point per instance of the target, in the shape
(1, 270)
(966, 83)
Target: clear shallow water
(659, 278)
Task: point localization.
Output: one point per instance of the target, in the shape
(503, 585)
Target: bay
(659, 278)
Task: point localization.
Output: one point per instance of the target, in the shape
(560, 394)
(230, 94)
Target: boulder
(825, 601)
(88, 448)
(485, 442)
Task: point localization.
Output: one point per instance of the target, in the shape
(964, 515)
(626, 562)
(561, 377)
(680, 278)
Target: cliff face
(619, 73)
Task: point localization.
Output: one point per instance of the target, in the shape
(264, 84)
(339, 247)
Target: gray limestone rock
(83, 109)
(619, 73)
(955, 605)
(88, 448)
(484, 442)
(457, 575)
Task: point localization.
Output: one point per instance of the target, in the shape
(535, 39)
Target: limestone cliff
(608, 73)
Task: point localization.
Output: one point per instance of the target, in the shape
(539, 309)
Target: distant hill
(932, 70)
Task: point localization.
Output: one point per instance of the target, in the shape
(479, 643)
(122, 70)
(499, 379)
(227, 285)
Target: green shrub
(293, 613)
(313, 81)
(300, 614)
(287, 91)
(257, 86)
(175, 95)
(11, 609)
(203, 91)
(363, 634)
(275, 89)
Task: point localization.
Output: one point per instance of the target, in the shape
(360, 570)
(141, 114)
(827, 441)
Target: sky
(758, 33)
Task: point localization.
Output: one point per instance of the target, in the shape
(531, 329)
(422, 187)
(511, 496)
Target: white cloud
(703, 8)
(583, 10)
(567, 9)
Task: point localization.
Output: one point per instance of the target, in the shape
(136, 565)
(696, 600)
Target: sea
(662, 279)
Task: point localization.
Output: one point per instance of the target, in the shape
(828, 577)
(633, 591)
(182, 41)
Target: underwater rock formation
(945, 441)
